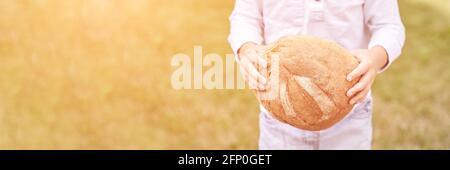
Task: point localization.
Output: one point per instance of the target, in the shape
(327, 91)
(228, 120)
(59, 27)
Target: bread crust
(312, 82)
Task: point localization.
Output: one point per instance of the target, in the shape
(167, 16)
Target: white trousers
(352, 132)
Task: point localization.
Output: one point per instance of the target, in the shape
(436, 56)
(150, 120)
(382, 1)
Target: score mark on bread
(310, 87)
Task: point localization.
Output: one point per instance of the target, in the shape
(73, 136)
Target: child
(371, 29)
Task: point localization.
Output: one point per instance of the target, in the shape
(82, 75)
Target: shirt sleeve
(246, 24)
(383, 20)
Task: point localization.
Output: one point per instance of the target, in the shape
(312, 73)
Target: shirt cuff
(391, 50)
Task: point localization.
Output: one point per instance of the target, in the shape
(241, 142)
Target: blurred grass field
(95, 74)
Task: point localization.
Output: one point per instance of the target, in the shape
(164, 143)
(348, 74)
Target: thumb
(357, 54)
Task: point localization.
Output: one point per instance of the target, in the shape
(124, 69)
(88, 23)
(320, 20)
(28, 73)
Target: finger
(261, 62)
(253, 72)
(251, 80)
(357, 54)
(360, 96)
(256, 59)
(243, 71)
(244, 74)
(253, 85)
(363, 83)
(358, 71)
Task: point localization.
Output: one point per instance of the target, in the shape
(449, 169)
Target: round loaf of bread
(307, 82)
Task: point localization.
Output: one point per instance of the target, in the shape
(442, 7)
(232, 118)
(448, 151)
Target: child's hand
(249, 60)
(371, 61)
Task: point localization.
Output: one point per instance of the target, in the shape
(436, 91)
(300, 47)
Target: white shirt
(355, 24)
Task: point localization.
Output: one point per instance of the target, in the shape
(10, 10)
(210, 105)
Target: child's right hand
(250, 59)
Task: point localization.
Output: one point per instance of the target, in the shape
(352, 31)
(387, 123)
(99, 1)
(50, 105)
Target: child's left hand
(371, 62)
